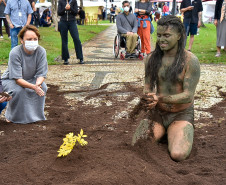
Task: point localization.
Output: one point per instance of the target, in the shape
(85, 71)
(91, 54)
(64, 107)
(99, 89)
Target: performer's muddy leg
(142, 131)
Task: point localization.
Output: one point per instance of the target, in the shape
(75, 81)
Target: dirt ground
(28, 153)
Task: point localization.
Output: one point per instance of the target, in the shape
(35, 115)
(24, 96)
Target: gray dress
(26, 106)
(221, 30)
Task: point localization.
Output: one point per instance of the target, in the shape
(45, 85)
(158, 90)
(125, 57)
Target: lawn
(204, 46)
(51, 41)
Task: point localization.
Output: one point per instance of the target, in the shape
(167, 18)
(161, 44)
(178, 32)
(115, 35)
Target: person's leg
(180, 139)
(6, 26)
(1, 26)
(140, 33)
(187, 28)
(14, 40)
(134, 42)
(129, 41)
(63, 28)
(192, 37)
(193, 32)
(146, 37)
(2, 106)
(158, 131)
(77, 43)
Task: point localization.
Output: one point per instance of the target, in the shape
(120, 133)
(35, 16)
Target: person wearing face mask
(25, 75)
(127, 26)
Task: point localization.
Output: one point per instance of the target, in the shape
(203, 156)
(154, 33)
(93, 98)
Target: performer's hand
(215, 22)
(152, 100)
(39, 91)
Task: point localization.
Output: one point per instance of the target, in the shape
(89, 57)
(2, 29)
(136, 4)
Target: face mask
(126, 9)
(31, 45)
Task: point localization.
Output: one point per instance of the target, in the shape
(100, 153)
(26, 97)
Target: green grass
(204, 46)
(51, 41)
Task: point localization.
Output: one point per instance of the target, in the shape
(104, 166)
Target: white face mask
(31, 45)
(126, 9)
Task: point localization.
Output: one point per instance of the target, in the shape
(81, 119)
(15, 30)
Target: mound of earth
(28, 153)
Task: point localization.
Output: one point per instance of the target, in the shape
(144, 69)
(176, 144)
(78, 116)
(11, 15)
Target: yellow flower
(70, 141)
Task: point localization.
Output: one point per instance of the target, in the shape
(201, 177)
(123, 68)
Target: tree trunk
(54, 14)
(81, 3)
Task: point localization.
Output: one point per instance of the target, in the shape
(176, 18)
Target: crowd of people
(171, 72)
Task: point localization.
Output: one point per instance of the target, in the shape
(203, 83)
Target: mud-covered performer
(171, 77)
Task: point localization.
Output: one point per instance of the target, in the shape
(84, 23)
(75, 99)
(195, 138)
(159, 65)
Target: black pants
(6, 26)
(64, 26)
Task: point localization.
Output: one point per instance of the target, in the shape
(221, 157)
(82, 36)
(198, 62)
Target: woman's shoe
(66, 62)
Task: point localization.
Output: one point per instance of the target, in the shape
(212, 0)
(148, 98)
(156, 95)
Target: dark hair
(26, 28)
(124, 2)
(155, 60)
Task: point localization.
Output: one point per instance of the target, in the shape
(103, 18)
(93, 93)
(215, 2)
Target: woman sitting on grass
(25, 75)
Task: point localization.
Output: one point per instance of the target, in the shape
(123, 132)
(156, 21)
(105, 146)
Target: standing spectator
(25, 76)
(112, 14)
(18, 14)
(82, 16)
(68, 10)
(192, 10)
(32, 3)
(143, 9)
(165, 9)
(220, 23)
(2, 18)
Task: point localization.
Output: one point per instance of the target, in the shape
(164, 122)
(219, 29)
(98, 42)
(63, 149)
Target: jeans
(6, 26)
(2, 106)
(14, 39)
(64, 26)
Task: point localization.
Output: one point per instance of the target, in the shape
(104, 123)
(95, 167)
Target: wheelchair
(120, 42)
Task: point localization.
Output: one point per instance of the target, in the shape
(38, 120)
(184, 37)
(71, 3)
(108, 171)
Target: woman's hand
(4, 98)
(67, 7)
(152, 100)
(215, 22)
(136, 10)
(38, 90)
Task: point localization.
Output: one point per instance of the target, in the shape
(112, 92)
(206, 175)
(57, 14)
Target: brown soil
(28, 153)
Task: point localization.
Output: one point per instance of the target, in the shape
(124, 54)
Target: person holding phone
(4, 97)
(25, 76)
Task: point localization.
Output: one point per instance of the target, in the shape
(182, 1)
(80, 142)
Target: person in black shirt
(68, 9)
(112, 15)
(192, 10)
(82, 16)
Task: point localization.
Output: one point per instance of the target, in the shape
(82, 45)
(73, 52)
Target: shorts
(191, 28)
(166, 118)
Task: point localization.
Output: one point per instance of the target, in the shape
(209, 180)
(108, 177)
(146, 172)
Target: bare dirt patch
(28, 153)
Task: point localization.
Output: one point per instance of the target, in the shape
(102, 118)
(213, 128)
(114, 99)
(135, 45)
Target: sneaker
(66, 62)
(9, 37)
(1, 37)
(218, 55)
(81, 61)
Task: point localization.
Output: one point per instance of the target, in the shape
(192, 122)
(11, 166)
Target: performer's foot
(141, 132)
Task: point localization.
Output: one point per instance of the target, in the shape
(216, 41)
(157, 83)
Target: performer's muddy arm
(191, 79)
